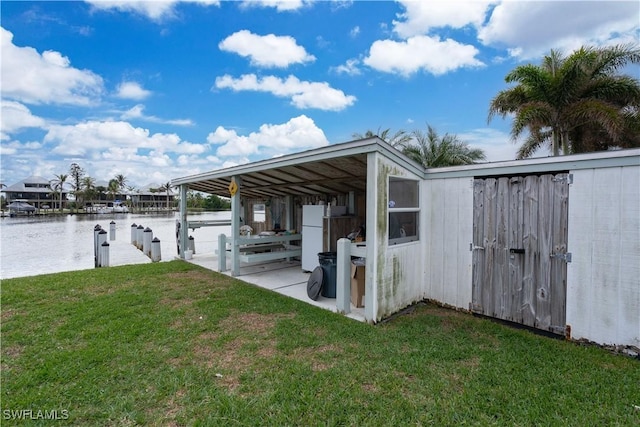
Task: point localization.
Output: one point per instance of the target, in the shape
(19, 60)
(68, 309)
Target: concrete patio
(283, 277)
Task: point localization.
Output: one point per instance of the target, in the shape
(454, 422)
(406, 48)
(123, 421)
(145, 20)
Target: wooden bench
(255, 249)
(260, 247)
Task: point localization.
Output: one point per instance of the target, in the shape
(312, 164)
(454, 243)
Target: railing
(259, 248)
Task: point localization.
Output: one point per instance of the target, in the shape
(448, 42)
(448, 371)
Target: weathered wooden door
(520, 249)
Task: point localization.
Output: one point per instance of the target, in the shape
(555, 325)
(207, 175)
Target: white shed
(551, 243)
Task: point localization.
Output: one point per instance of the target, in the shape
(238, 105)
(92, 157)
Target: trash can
(327, 261)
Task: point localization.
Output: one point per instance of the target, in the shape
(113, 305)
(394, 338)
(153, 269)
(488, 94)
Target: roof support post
(343, 276)
(184, 225)
(236, 210)
(288, 203)
(374, 210)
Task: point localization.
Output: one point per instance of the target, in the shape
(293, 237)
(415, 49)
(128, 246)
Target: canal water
(51, 244)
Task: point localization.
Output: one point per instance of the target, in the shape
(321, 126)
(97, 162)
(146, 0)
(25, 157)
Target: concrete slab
(283, 277)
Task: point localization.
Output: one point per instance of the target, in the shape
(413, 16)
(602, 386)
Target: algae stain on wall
(389, 274)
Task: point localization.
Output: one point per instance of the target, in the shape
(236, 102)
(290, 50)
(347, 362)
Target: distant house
(152, 196)
(36, 191)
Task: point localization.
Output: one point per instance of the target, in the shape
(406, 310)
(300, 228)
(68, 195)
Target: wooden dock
(124, 253)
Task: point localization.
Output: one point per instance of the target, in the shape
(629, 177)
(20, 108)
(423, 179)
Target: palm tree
(153, 192)
(432, 150)
(112, 188)
(397, 140)
(166, 188)
(575, 103)
(134, 196)
(121, 180)
(57, 185)
(88, 188)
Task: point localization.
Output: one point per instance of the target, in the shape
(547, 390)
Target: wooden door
(520, 249)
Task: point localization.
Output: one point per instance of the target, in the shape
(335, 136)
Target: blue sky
(156, 90)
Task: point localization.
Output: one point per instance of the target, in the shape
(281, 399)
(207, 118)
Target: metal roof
(334, 169)
(340, 168)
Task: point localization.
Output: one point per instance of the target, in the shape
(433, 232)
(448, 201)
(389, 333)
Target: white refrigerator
(312, 234)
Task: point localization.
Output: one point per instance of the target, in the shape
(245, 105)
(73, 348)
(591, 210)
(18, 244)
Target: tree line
(85, 191)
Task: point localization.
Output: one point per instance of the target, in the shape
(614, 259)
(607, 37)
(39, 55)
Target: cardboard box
(357, 283)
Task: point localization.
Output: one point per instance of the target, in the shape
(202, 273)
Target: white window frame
(416, 210)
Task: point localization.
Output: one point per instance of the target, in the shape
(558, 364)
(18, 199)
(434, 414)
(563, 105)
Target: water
(51, 244)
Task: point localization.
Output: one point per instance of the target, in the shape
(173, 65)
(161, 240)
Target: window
(259, 213)
(404, 210)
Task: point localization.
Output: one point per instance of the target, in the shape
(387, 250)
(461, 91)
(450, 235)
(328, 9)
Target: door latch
(566, 257)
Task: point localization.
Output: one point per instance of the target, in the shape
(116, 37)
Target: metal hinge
(472, 247)
(566, 257)
(566, 179)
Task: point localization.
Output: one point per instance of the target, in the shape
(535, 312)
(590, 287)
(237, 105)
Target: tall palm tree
(121, 180)
(88, 186)
(134, 196)
(112, 188)
(397, 140)
(57, 185)
(166, 187)
(431, 150)
(573, 103)
(153, 191)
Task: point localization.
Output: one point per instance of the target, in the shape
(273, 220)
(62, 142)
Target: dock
(124, 253)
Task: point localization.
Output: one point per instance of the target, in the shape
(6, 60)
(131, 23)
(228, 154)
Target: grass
(174, 344)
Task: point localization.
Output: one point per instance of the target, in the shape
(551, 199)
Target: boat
(111, 207)
(20, 207)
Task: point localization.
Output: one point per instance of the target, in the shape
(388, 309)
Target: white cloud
(355, 32)
(32, 78)
(421, 53)
(132, 90)
(567, 25)
(266, 51)
(279, 5)
(350, 67)
(104, 149)
(298, 134)
(154, 10)
(90, 139)
(303, 94)
(15, 116)
(497, 145)
(137, 112)
(422, 16)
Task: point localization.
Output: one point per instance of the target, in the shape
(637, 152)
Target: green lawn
(174, 344)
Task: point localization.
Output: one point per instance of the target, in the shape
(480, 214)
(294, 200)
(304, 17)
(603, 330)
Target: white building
(550, 243)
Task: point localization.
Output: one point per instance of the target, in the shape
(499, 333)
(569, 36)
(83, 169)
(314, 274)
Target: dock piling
(102, 238)
(146, 241)
(139, 236)
(104, 254)
(155, 250)
(96, 230)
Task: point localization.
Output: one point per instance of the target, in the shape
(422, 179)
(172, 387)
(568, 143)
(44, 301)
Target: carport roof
(334, 169)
